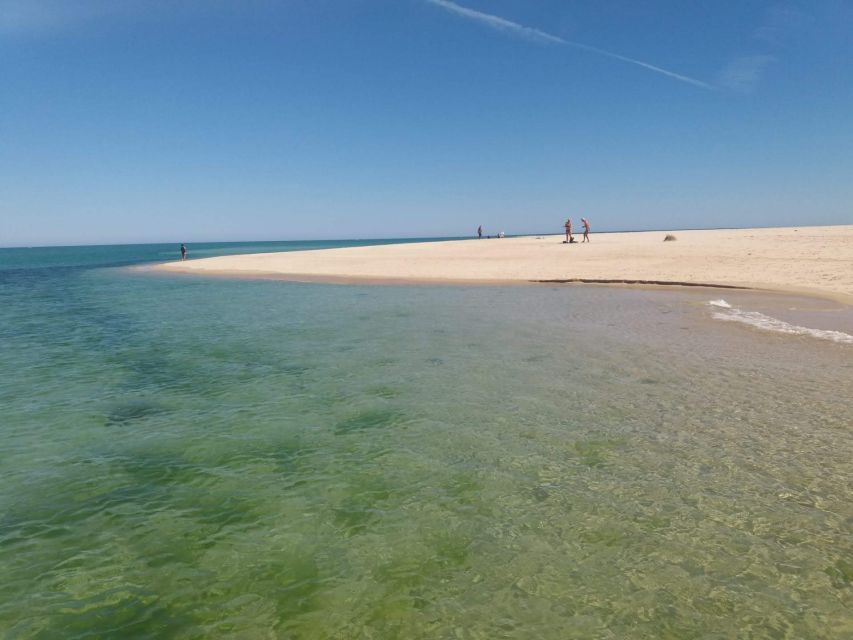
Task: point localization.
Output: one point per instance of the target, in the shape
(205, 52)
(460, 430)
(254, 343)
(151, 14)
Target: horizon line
(465, 237)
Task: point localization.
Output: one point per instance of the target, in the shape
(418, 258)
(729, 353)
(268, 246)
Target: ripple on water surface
(275, 460)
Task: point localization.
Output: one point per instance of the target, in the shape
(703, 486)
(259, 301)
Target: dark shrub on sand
(669, 238)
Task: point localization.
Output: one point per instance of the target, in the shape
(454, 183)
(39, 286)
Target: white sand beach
(806, 260)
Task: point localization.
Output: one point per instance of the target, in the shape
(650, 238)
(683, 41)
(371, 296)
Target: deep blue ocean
(210, 458)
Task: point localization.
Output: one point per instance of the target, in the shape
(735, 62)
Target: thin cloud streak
(743, 73)
(496, 22)
(529, 33)
(640, 63)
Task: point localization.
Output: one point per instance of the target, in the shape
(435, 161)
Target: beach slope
(809, 260)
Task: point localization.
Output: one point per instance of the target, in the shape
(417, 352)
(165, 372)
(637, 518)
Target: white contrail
(639, 63)
(497, 22)
(502, 24)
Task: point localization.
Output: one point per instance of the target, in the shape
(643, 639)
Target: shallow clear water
(211, 458)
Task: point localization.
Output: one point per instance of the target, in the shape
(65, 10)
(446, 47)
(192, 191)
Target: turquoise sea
(211, 458)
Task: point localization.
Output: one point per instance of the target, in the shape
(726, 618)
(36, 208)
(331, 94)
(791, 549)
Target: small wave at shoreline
(725, 311)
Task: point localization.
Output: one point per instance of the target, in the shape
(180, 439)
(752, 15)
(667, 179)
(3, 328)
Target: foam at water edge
(768, 323)
(719, 303)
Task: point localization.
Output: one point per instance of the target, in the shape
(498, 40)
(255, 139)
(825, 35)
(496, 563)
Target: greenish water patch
(130, 411)
(371, 419)
(594, 453)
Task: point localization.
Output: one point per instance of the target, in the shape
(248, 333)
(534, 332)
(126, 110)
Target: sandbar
(806, 260)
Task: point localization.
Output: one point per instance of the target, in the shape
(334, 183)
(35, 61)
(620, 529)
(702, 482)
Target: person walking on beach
(569, 237)
(479, 232)
(585, 229)
(183, 252)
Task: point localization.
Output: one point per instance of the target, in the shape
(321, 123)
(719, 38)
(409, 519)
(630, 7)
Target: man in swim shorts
(585, 229)
(569, 238)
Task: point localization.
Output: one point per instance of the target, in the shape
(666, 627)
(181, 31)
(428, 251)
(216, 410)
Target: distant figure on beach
(569, 237)
(501, 234)
(585, 229)
(480, 231)
(183, 252)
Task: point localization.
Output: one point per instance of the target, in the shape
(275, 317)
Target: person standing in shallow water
(569, 237)
(480, 231)
(183, 252)
(585, 229)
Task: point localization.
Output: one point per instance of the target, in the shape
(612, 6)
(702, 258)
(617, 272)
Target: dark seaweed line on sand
(657, 282)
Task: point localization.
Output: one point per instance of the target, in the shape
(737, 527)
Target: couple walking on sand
(570, 238)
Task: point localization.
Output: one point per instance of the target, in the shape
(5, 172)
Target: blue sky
(191, 120)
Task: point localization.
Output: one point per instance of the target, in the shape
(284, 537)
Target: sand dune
(811, 260)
